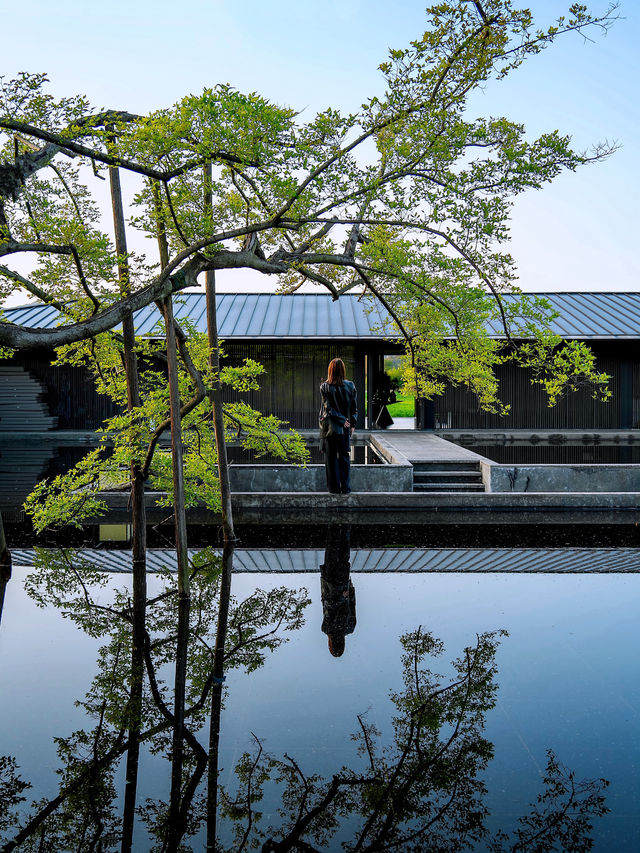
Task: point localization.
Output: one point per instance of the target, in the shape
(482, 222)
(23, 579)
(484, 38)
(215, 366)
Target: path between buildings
(417, 446)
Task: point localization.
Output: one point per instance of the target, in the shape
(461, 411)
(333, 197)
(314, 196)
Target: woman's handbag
(326, 427)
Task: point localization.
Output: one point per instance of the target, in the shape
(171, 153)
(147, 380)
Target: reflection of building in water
(21, 468)
(23, 465)
(338, 594)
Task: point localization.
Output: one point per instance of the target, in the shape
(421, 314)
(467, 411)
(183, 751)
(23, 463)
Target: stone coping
(408, 508)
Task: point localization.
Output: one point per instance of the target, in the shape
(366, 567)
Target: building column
(425, 417)
(626, 395)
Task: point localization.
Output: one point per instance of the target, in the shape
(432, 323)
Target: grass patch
(404, 407)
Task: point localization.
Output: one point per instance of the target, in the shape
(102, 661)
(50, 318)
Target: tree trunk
(183, 574)
(5, 554)
(176, 822)
(174, 401)
(216, 696)
(425, 417)
(5, 565)
(215, 396)
(139, 524)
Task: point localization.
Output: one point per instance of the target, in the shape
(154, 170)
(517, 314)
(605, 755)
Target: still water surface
(568, 678)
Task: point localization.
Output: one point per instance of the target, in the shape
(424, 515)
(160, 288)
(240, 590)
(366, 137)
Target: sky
(579, 233)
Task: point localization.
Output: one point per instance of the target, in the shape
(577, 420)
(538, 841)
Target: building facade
(295, 337)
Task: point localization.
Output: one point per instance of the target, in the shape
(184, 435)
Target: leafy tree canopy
(407, 199)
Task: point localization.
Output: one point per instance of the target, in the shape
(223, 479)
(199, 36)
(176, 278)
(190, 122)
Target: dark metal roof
(249, 316)
(525, 560)
(590, 316)
(267, 316)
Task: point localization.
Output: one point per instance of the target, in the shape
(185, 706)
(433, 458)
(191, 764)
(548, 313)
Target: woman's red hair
(335, 372)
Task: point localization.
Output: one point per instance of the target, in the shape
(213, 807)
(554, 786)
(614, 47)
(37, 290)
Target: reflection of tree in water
(86, 805)
(5, 565)
(422, 791)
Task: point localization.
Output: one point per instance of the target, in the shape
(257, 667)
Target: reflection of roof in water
(532, 560)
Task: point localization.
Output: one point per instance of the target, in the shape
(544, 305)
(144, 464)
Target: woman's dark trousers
(337, 460)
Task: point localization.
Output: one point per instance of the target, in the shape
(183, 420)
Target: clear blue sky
(580, 233)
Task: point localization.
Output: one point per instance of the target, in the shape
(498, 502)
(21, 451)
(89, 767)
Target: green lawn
(404, 407)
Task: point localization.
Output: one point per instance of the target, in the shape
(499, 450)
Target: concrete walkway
(418, 446)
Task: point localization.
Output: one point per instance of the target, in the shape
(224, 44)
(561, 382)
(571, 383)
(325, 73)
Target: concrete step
(446, 476)
(448, 487)
(445, 465)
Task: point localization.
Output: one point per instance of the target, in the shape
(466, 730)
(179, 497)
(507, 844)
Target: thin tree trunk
(5, 565)
(5, 554)
(176, 453)
(216, 696)
(176, 830)
(139, 524)
(174, 400)
(215, 396)
(183, 580)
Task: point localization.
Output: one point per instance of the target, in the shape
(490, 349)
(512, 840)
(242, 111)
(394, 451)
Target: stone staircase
(447, 477)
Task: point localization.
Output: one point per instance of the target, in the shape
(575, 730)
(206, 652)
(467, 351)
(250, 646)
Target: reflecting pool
(343, 718)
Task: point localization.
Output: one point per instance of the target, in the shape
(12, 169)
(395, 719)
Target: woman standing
(338, 416)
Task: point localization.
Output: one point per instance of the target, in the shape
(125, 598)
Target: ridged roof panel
(465, 560)
(269, 315)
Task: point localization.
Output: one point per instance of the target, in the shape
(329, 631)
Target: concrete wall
(289, 478)
(395, 475)
(561, 478)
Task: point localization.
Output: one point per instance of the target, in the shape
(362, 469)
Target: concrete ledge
(291, 479)
(478, 501)
(473, 438)
(562, 478)
(407, 508)
(390, 454)
(395, 475)
(439, 508)
(413, 500)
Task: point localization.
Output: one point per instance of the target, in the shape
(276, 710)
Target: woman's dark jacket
(340, 404)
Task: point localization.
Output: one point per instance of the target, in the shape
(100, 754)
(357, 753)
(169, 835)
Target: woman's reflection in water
(338, 594)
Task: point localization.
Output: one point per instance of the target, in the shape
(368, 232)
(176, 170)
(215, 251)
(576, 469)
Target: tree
(407, 198)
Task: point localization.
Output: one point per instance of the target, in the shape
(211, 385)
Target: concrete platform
(418, 447)
(554, 494)
(406, 508)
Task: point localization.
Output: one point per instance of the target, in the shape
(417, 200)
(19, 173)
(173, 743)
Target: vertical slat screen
(458, 408)
(289, 388)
